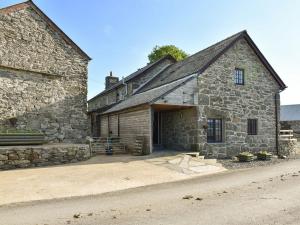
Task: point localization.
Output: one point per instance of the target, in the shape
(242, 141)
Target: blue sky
(119, 34)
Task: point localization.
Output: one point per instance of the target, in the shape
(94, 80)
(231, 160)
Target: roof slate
(178, 72)
(289, 112)
(133, 75)
(198, 62)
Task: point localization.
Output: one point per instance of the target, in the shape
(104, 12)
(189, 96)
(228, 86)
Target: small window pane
(214, 130)
(239, 76)
(252, 126)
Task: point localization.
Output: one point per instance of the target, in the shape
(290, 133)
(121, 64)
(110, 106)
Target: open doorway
(157, 130)
(174, 127)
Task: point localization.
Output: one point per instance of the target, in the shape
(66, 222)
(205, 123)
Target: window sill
(215, 143)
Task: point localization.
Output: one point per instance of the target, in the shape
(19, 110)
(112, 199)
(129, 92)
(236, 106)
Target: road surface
(262, 195)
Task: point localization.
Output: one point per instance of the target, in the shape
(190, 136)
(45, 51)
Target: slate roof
(30, 4)
(133, 75)
(290, 112)
(171, 77)
(149, 96)
(198, 62)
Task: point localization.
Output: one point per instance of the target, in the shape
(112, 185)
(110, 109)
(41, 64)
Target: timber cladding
(132, 124)
(113, 125)
(128, 125)
(104, 126)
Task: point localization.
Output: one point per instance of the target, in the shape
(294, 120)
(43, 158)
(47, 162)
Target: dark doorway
(157, 128)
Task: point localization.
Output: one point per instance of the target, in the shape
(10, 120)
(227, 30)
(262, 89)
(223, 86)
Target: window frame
(252, 126)
(239, 76)
(217, 130)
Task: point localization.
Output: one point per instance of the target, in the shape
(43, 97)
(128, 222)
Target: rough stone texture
(43, 79)
(179, 129)
(292, 125)
(44, 155)
(220, 97)
(288, 147)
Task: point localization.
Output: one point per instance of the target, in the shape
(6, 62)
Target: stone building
(290, 119)
(43, 76)
(219, 101)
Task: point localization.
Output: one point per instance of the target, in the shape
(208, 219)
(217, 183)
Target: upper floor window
(252, 126)
(239, 76)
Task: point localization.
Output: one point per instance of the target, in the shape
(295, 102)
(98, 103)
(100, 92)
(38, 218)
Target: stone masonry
(44, 155)
(220, 97)
(43, 77)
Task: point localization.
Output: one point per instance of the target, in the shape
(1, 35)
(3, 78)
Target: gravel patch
(234, 164)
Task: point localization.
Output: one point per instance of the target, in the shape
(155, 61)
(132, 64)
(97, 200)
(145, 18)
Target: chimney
(110, 80)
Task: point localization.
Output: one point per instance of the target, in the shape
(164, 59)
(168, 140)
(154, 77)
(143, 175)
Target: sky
(119, 34)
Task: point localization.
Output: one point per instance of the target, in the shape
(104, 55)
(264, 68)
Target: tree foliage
(160, 51)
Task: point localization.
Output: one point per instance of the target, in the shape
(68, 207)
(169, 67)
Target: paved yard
(99, 175)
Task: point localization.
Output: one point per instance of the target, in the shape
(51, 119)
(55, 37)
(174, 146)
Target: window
(252, 126)
(214, 130)
(239, 76)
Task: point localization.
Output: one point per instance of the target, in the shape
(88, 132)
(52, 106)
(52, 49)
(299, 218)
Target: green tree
(160, 51)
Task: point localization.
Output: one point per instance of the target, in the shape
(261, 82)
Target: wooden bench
(8, 139)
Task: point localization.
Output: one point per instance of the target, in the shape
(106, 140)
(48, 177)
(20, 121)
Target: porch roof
(149, 96)
(169, 107)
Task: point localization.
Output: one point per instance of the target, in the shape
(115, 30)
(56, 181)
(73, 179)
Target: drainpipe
(277, 100)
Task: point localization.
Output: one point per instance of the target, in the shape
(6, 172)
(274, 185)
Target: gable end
(256, 50)
(30, 4)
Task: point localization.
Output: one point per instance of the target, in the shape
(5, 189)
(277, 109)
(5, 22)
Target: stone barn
(43, 76)
(219, 101)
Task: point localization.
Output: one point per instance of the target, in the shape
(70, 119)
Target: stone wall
(220, 97)
(179, 129)
(292, 125)
(44, 155)
(43, 79)
(288, 147)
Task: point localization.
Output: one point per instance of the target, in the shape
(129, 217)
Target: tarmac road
(262, 195)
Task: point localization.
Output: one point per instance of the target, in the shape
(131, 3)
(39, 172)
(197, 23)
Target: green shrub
(245, 157)
(264, 155)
